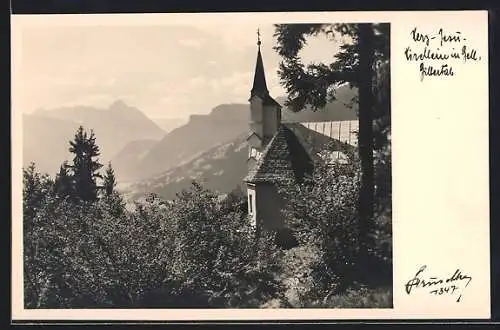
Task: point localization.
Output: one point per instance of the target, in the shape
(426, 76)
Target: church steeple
(259, 80)
(265, 112)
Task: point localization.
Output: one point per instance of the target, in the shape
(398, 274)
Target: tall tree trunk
(366, 102)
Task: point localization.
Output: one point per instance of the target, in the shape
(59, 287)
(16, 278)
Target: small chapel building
(279, 153)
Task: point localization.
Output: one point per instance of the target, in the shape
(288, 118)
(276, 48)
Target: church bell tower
(265, 112)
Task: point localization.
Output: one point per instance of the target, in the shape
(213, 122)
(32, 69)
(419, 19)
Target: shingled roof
(285, 159)
(290, 155)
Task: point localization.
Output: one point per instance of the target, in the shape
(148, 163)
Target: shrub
(67, 267)
(323, 212)
(196, 251)
(217, 253)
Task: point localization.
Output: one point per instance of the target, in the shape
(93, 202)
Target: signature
(439, 286)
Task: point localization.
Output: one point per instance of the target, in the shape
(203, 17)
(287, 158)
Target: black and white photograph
(206, 166)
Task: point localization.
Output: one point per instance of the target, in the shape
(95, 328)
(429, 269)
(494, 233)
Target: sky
(166, 71)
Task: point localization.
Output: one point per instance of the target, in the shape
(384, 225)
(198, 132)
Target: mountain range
(46, 133)
(169, 124)
(221, 168)
(184, 143)
(150, 158)
(223, 124)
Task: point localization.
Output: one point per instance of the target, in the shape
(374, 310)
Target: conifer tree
(315, 85)
(114, 202)
(63, 186)
(85, 164)
(31, 180)
(32, 190)
(109, 179)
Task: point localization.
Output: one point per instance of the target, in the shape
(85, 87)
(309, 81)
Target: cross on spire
(259, 80)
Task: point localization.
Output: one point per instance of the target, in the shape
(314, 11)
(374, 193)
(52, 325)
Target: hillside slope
(202, 132)
(222, 168)
(169, 124)
(342, 109)
(47, 132)
(224, 123)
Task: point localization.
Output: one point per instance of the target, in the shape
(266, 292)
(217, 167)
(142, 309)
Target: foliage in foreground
(199, 250)
(323, 213)
(356, 298)
(193, 252)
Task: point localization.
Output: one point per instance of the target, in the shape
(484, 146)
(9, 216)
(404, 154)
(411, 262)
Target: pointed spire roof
(259, 80)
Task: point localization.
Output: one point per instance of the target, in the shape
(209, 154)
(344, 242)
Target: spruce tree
(85, 165)
(63, 186)
(32, 192)
(315, 84)
(109, 179)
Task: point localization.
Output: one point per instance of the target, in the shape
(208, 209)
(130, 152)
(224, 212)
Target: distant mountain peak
(47, 133)
(118, 104)
(120, 107)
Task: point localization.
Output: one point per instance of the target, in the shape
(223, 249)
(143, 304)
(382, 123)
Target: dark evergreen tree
(113, 201)
(366, 49)
(37, 194)
(31, 190)
(63, 185)
(85, 165)
(36, 189)
(109, 181)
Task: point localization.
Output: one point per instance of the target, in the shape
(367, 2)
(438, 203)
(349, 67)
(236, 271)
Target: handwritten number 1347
(443, 290)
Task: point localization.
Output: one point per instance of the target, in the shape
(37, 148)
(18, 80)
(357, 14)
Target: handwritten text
(456, 283)
(437, 53)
